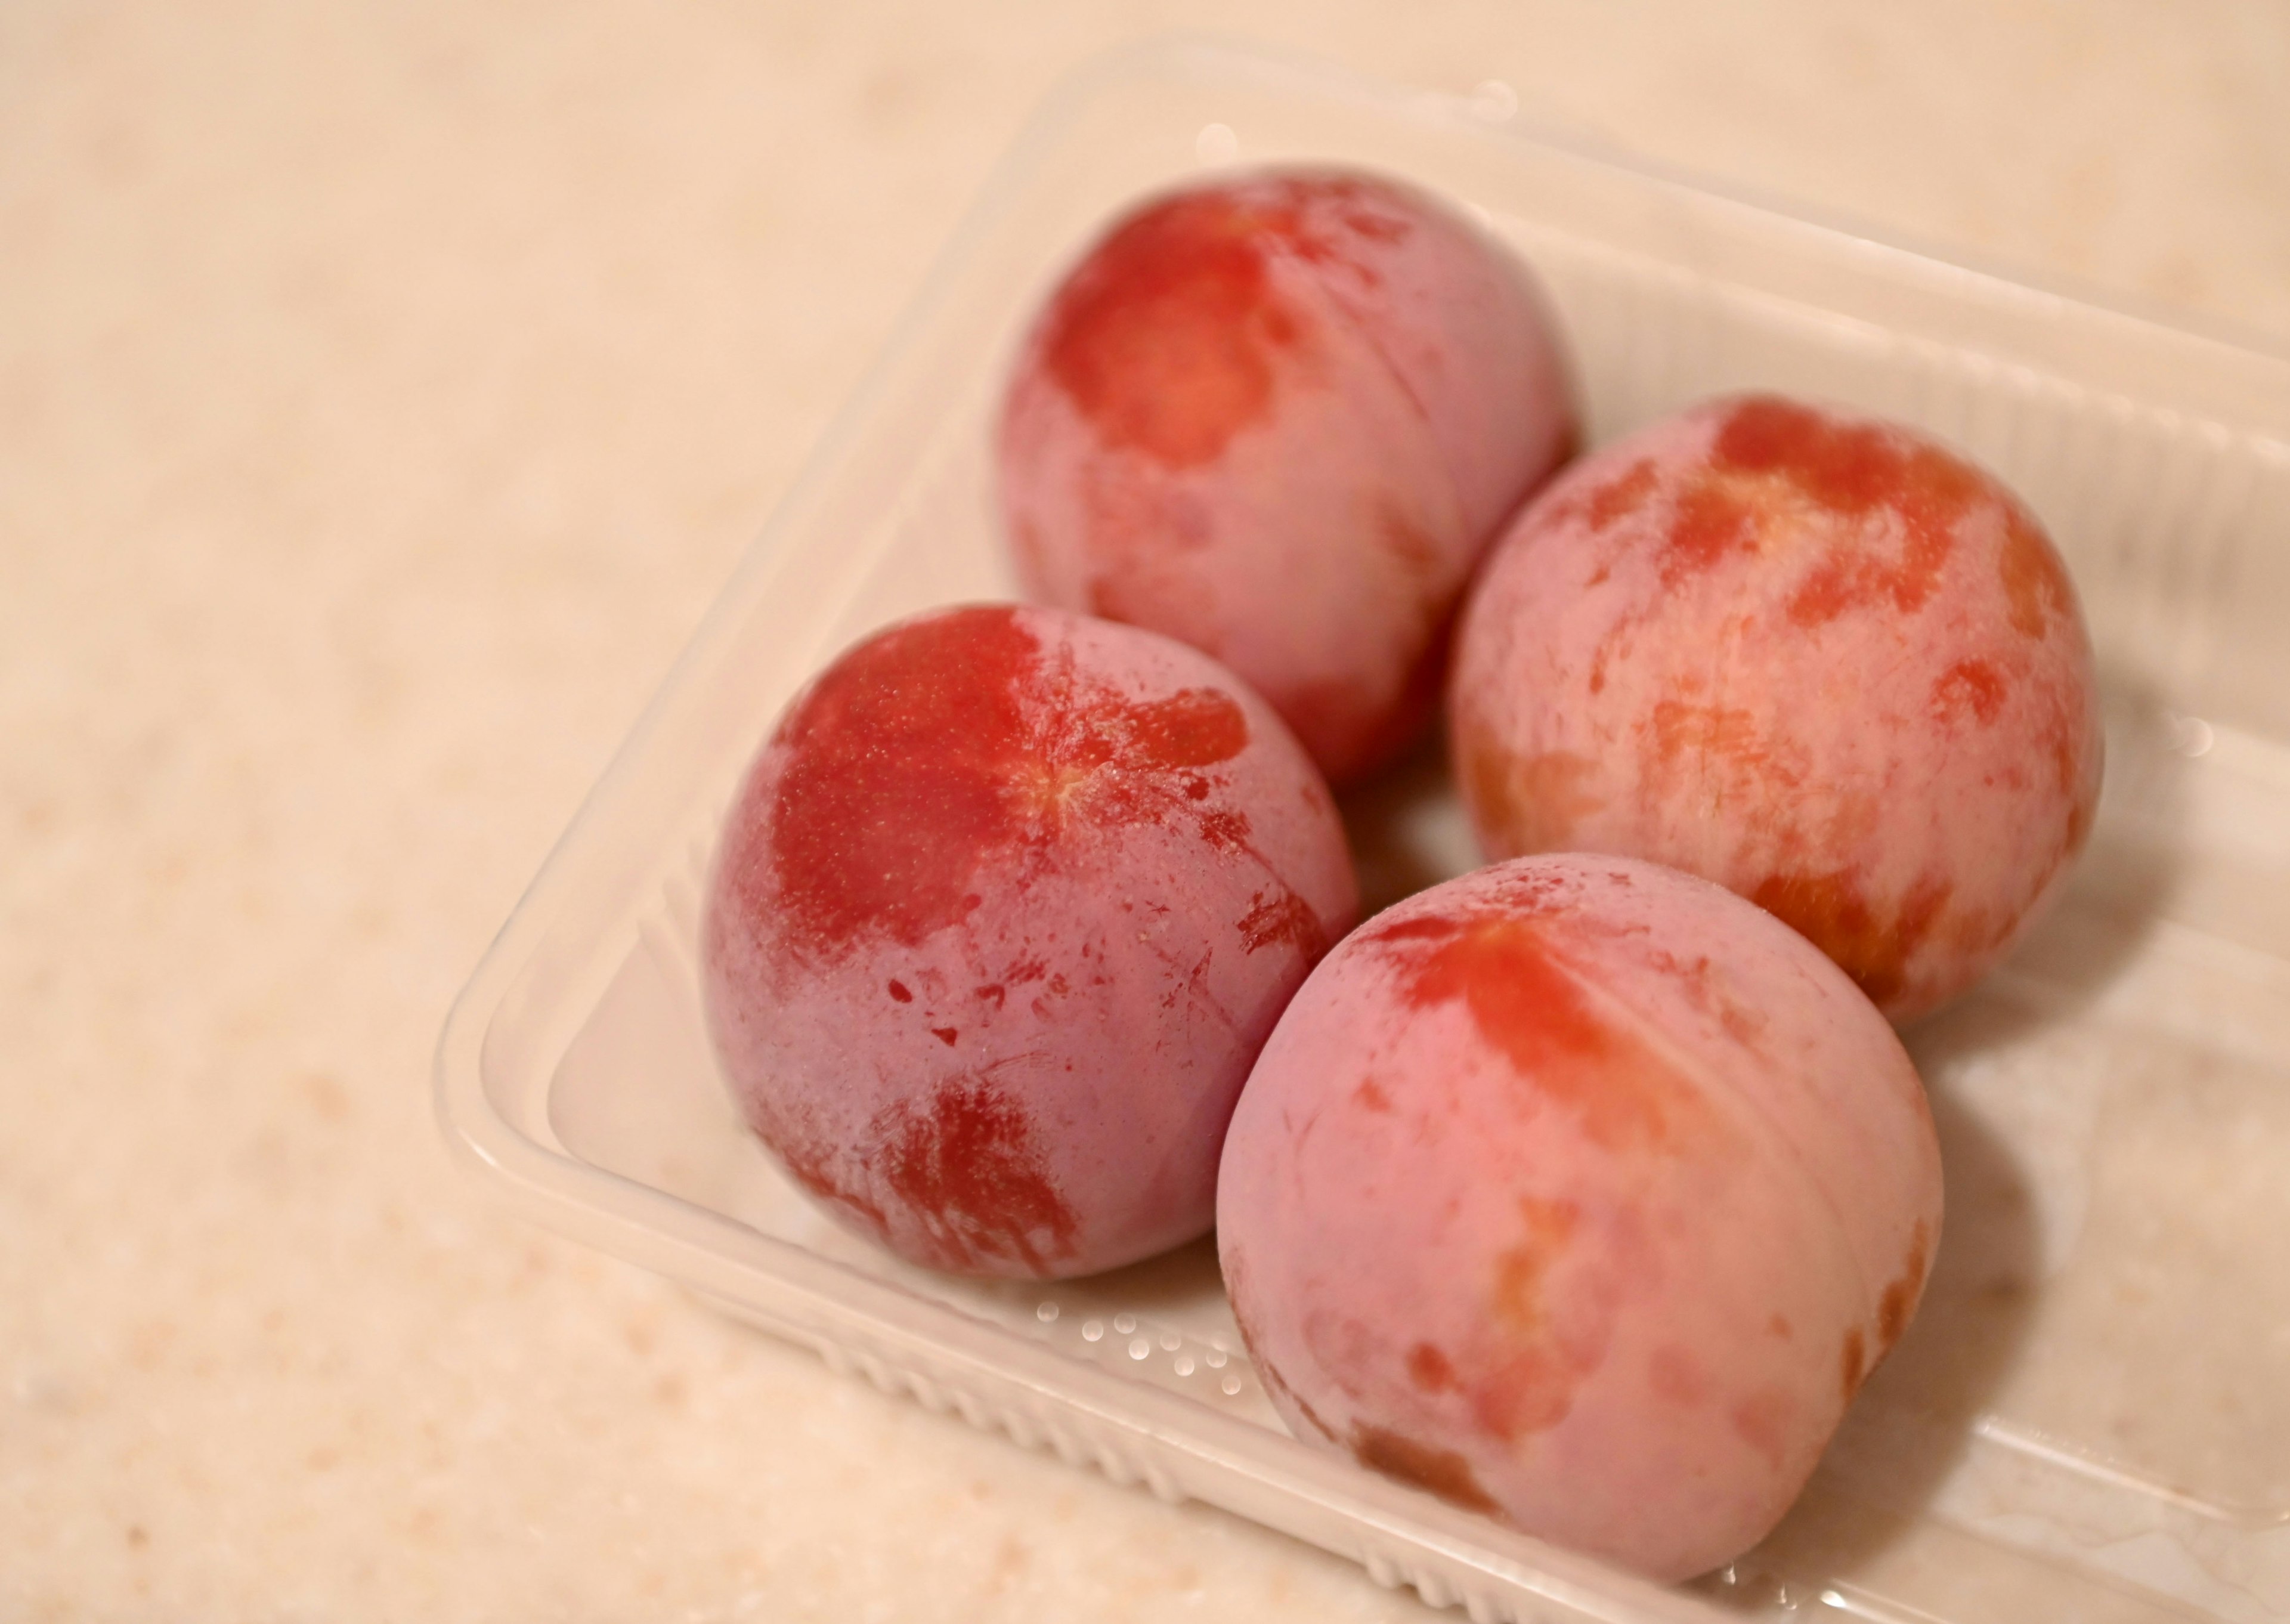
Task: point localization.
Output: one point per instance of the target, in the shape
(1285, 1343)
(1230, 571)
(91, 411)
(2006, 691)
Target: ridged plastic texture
(2090, 1418)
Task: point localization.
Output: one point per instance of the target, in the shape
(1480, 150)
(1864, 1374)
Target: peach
(1279, 418)
(1819, 659)
(1002, 914)
(1581, 1192)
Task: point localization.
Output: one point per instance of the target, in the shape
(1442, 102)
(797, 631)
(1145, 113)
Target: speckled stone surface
(384, 391)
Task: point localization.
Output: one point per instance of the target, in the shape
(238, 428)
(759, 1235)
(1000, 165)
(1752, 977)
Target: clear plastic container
(2091, 1416)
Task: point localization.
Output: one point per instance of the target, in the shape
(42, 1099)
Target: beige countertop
(384, 392)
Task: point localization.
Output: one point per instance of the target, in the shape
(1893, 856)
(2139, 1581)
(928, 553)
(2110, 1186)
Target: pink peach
(1581, 1192)
(1818, 659)
(1000, 917)
(1279, 418)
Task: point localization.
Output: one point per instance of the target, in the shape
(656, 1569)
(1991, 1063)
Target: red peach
(1819, 659)
(1002, 914)
(1580, 1192)
(1279, 418)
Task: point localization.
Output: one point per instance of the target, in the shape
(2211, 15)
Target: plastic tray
(2090, 1418)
